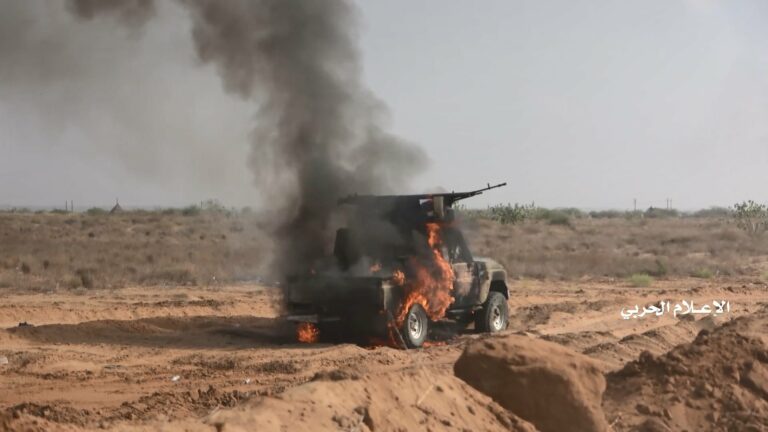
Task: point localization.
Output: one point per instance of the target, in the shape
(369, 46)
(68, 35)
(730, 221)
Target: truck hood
(490, 264)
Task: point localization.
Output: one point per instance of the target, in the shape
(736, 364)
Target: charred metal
(399, 263)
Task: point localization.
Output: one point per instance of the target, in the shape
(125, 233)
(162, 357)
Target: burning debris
(431, 283)
(400, 263)
(398, 278)
(307, 333)
(375, 268)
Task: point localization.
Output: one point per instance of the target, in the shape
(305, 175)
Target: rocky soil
(220, 358)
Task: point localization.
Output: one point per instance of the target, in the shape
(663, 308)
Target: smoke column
(318, 134)
(132, 12)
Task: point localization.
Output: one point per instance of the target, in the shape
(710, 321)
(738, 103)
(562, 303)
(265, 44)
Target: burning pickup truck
(399, 264)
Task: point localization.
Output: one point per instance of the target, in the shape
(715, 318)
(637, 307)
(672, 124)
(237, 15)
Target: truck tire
(494, 316)
(415, 326)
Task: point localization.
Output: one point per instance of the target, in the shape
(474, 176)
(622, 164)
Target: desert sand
(220, 358)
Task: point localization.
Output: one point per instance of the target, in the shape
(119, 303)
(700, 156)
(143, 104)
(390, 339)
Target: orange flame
(307, 332)
(428, 344)
(431, 285)
(398, 277)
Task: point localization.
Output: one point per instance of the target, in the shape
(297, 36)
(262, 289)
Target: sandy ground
(138, 356)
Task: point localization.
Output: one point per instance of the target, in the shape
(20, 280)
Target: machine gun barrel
(448, 198)
(452, 197)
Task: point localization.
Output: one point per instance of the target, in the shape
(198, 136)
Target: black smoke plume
(319, 132)
(129, 11)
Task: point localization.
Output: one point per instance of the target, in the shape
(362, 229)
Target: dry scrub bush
(142, 247)
(640, 280)
(618, 247)
(751, 217)
(83, 251)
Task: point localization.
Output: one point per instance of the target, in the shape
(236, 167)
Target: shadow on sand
(169, 332)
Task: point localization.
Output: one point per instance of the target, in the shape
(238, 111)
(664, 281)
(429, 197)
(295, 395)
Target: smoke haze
(131, 12)
(91, 110)
(318, 133)
(589, 105)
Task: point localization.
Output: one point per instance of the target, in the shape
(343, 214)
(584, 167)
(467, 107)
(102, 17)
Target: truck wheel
(414, 329)
(494, 316)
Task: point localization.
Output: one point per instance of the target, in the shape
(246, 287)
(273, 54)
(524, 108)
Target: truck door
(465, 285)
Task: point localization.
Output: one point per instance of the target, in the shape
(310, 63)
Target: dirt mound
(38, 418)
(28, 423)
(717, 382)
(425, 398)
(52, 413)
(550, 386)
(412, 399)
(31, 416)
(616, 351)
(194, 402)
(420, 399)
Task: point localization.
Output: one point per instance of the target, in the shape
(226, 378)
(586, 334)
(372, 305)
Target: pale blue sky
(585, 104)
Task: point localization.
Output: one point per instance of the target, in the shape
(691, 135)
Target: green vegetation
(505, 214)
(640, 280)
(20, 210)
(86, 277)
(509, 214)
(502, 213)
(751, 217)
(213, 205)
(192, 210)
(703, 273)
(713, 212)
(555, 217)
(606, 214)
(516, 213)
(95, 211)
(661, 213)
(661, 269)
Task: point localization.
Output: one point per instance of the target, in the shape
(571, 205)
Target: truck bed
(338, 295)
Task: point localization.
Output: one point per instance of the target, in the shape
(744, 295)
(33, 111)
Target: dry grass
(640, 280)
(620, 247)
(83, 251)
(45, 251)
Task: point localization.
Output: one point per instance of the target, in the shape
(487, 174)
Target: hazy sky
(585, 104)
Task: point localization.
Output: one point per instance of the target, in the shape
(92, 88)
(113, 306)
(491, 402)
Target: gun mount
(448, 198)
(433, 206)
